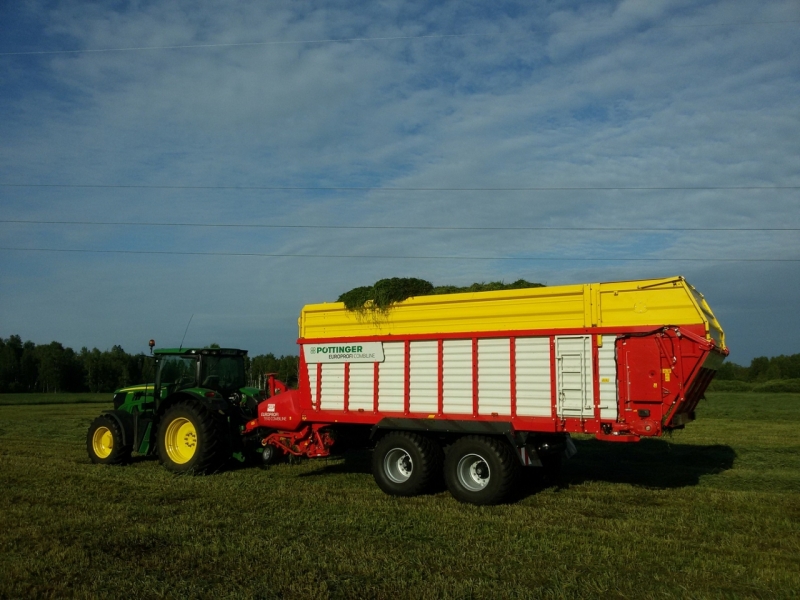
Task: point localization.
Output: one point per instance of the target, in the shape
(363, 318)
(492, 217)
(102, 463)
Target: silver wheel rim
(398, 465)
(473, 472)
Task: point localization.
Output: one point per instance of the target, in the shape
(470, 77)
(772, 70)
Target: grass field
(712, 512)
(78, 398)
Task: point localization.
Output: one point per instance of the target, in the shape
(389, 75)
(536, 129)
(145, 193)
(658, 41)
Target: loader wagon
(470, 388)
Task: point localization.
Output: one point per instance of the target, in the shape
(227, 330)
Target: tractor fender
(217, 404)
(125, 422)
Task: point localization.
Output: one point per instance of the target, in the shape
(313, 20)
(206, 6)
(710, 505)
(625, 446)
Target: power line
(388, 227)
(376, 39)
(400, 189)
(387, 256)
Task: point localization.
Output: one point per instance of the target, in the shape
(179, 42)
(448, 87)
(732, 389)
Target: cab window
(178, 371)
(222, 373)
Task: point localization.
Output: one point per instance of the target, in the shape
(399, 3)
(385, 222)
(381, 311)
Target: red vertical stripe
(475, 377)
(319, 386)
(346, 387)
(553, 378)
(302, 380)
(513, 374)
(596, 376)
(375, 388)
(440, 406)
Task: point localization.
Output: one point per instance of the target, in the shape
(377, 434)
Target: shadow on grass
(352, 461)
(649, 463)
(655, 464)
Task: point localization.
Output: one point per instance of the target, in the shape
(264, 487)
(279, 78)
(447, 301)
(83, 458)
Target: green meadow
(711, 512)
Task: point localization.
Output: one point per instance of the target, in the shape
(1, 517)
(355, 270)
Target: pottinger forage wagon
(471, 387)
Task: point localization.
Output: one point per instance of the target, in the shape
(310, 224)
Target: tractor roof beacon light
(152, 344)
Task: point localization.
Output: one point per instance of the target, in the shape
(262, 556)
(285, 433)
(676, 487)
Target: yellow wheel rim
(102, 442)
(180, 440)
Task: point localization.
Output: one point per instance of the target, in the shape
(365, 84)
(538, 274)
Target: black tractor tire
(104, 442)
(192, 439)
(481, 470)
(407, 464)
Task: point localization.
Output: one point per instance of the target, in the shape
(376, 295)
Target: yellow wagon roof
(656, 302)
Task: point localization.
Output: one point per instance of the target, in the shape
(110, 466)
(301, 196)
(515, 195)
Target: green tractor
(191, 417)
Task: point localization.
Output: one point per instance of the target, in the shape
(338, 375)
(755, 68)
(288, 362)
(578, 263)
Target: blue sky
(186, 100)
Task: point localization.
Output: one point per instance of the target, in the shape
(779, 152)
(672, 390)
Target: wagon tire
(407, 464)
(481, 470)
(104, 442)
(192, 440)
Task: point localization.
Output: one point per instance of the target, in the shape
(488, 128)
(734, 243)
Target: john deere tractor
(191, 417)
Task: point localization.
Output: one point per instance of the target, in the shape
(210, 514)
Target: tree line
(50, 368)
(26, 367)
(762, 369)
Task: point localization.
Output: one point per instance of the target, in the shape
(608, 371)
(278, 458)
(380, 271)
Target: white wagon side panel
(332, 387)
(607, 366)
(534, 385)
(457, 375)
(424, 376)
(391, 378)
(494, 376)
(362, 386)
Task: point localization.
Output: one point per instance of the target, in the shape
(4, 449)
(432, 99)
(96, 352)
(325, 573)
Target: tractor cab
(220, 370)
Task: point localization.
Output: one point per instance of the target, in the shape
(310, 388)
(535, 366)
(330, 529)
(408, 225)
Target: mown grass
(77, 398)
(713, 511)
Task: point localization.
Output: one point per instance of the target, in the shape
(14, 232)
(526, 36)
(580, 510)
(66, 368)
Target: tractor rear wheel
(104, 442)
(191, 439)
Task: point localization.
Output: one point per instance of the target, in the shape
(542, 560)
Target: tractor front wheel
(191, 439)
(104, 442)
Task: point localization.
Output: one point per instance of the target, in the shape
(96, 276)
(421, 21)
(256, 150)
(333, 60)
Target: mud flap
(528, 457)
(569, 450)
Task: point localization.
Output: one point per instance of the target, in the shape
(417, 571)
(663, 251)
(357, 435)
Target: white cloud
(609, 94)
